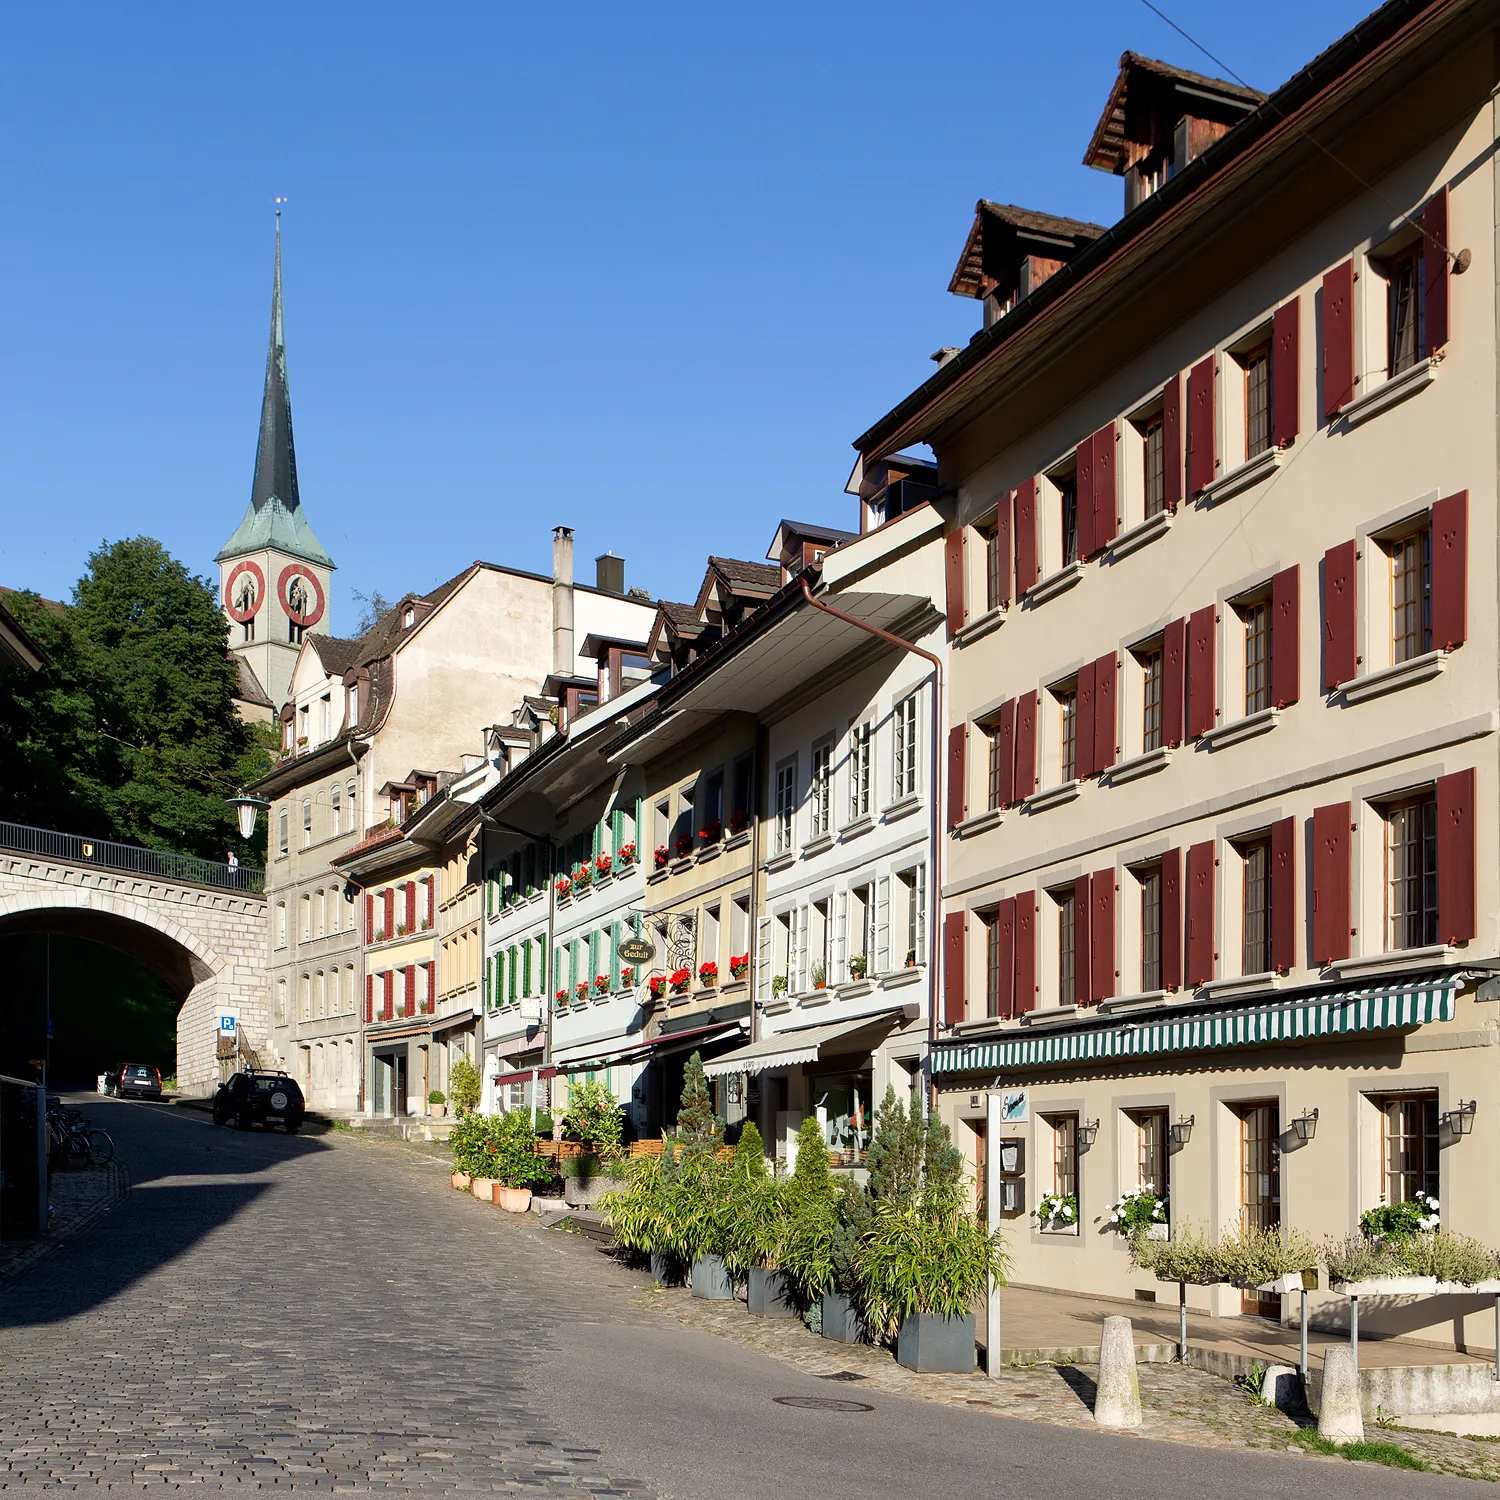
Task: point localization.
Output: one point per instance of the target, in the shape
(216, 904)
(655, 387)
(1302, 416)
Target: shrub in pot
(761, 1214)
(436, 1103)
(819, 1259)
(595, 1119)
(464, 1085)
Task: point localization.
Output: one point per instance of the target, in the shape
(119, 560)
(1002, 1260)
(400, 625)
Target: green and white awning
(1304, 1018)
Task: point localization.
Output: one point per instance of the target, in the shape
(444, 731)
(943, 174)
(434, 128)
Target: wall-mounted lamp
(1461, 1120)
(248, 809)
(1305, 1126)
(1088, 1132)
(1182, 1129)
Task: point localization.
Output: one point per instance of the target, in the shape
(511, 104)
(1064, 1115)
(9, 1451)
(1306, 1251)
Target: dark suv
(259, 1099)
(137, 1081)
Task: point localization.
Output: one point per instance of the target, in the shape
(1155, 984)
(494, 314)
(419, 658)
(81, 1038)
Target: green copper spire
(274, 517)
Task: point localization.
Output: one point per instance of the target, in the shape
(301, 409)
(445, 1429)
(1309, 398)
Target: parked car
(260, 1099)
(137, 1081)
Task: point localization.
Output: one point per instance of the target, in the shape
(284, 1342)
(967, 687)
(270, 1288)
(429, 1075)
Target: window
(1411, 594)
(1152, 697)
(861, 930)
(281, 924)
(281, 1017)
(1150, 883)
(739, 926)
(1154, 466)
(906, 748)
(337, 803)
(683, 830)
(1411, 873)
(743, 802)
(909, 914)
(1064, 1155)
(307, 822)
(1255, 857)
(1065, 920)
(1256, 617)
(1151, 1149)
(708, 936)
(859, 772)
(282, 832)
(1067, 721)
(1404, 314)
(1408, 1146)
(997, 765)
(306, 918)
(991, 921)
(822, 762)
(1067, 502)
(1257, 367)
(819, 931)
(327, 716)
(713, 801)
(1260, 1166)
(321, 906)
(990, 531)
(786, 803)
(661, 823)
(307, 997)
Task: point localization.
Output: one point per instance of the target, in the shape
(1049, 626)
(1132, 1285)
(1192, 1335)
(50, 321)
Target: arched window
(281, 924)
(335, 797)
(307, 822)
(281, 1002)
(307, 997)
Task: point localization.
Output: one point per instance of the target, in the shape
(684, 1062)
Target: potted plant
(564, 888)
(464, 1087)
(659, 857)
(682, 845)
(657, 985)
(739, 966)
(858, 963)
(778, 984)
(1056, 1212)
(760, 1219)
(515, 1168)
(380, 934)
(626, 855)
(739, 821)
(581, 990)
(638, 1213)
(437, 1104)
(627, 976)
(561, 998)
(583, 877)
(708, 974)
(710, 832)
(819, 975)
(679, 980)
(911, 958)
(603, 863)
(601, 984)
(1139, 1211)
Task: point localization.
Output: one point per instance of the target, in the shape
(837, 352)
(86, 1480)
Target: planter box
(461, 1181)
(666, 1270)
(931, 1344)
(585, 1192)
(768, 1295)
(483, 1188)
(1286, 1286)
(512, 1200)
(841, 1322)
(1389, 1286)
(711, 1279)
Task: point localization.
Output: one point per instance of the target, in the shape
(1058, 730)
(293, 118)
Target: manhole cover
(843, 1375)
(821, 1403)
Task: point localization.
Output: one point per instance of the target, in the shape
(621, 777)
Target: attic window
(411, 617)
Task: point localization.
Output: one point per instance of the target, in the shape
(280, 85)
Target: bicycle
(81, 1144)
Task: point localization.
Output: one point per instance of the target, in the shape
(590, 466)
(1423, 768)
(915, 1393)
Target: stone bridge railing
(107, 855)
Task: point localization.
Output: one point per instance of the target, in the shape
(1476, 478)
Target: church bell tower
(274, 572)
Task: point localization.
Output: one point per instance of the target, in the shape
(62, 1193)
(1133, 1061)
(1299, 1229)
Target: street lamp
(1182, 1129)
(248, 808)
(1306, 1124)
(1088, 1131)
(1461, 1120)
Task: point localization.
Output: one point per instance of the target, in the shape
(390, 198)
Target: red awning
(525, 1075)
(631, 1053)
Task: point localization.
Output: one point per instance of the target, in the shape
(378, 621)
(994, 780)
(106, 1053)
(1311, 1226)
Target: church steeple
(275, 517)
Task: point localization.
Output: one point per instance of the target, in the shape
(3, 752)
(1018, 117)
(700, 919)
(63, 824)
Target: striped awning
(1303, 1018)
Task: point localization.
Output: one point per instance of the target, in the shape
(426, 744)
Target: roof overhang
(289, 774)
(806, 1044)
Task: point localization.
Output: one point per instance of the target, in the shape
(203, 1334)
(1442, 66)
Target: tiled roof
(336, 653)
(250, 689)
(756, 575)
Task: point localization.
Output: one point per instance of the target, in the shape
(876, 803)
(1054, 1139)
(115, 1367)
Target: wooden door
(1260, 1187)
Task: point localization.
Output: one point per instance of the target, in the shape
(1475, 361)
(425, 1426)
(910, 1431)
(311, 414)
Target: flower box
(1389, 1286)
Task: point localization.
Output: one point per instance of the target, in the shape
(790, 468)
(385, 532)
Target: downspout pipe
(934, 813)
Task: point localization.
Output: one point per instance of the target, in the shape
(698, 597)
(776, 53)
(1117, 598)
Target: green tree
(699, 1129)
(811, 1175)
(464, 1085)
(894, 1158)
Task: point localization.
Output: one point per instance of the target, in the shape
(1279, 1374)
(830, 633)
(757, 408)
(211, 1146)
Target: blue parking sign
(228, 1025)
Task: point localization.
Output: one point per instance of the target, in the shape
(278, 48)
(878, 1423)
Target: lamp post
(248, 809)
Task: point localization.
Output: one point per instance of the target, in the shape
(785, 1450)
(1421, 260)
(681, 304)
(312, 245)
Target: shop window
(841, 1102)
(1411, 872)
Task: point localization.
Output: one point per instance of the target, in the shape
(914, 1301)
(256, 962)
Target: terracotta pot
(437, 1111)
(483, 1188)
(512, 1200)
(461, 1181)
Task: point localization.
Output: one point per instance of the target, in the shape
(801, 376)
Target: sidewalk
(78, 1198)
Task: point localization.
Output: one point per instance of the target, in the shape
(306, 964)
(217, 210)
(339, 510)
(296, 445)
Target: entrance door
(398, 1091)
(1260, 1187)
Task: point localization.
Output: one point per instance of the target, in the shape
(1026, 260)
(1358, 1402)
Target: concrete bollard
(1281, 1386)
(1117, 1401)
(1339, 1416)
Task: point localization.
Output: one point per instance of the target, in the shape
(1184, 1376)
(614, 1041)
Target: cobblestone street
(326, 1313)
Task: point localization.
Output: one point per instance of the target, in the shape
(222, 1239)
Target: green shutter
(616, 830)
(614, 954)
(559, 973)
(512, 966)
(526, 948)
(635, 832)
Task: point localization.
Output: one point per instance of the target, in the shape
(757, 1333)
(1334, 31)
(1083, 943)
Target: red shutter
(1084, 481)
(1171, 441)
(1083, 724)
(1083, 947)
(1200, 671)
(431, 968)
(1338, 339)
(390, 911)
(953, 560)
(1004, 544)
(1026, 717)
(1200, 914)
(369, 998)
(958, 794)
(388, 995)
(1456, 857)
(1025, 993)
(369, 918)
(411, 905)
(1285, 362)
(1027, 563)
(1106, 500)
(1450, 571)
(1338, 616)
(1173, 681)
(1284, 895)
(1005, 958)
(1330, 862)
(1171, 920)
(953, 967)
(411, 989)
(1435, 270)
(1200, 426)
(431, 897)
(1007, 752)
(1286, 636)
(1106, 677)
(1102, 930)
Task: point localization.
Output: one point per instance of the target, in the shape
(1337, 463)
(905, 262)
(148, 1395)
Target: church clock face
(244, 591)
(301, 597)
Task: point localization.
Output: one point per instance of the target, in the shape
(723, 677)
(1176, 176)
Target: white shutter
(763, 960)
(883, 925)
(921, 936)
(839, 947)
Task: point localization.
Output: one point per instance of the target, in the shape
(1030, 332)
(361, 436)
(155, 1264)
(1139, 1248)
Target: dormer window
(351, 706)
(410, 617)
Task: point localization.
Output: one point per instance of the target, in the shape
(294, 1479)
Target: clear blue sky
(643, 270)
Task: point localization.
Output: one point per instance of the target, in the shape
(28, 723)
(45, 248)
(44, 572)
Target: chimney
(564, 663)
(941, 356)
(609, 573)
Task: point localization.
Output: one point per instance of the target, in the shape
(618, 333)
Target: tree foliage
(132, 732)
(699, 1129)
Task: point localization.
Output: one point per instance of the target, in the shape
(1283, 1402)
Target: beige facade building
(1222, 897)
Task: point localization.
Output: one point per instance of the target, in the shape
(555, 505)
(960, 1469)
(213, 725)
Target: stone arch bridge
(198, 925)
